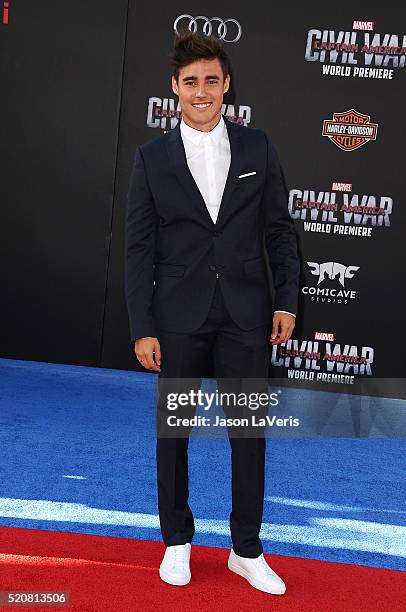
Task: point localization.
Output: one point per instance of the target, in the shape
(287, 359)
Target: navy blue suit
(172, 240)
(203, 290)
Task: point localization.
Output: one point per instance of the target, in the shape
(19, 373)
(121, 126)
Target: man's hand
(282, 328)
(148, 352)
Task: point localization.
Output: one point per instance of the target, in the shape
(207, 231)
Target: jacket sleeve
(140, 232)
(280, 235)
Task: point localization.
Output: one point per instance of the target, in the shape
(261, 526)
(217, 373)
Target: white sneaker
(257, 572)
(175, 568)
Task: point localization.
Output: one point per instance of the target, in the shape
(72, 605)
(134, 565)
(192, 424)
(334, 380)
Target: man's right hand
(148, 352)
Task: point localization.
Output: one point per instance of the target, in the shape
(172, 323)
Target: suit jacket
(174, 250)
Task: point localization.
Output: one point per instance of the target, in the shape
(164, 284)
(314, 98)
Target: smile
(202, 105)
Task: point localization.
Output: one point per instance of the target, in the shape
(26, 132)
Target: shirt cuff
(287, 312)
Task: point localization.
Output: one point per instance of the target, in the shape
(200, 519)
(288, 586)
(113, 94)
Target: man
(207, 203)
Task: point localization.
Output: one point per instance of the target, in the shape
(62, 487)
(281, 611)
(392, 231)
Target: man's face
(200, 87)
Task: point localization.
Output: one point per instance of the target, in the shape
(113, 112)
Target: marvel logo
(326, 336)
(366, 26)
(347, 187)
(5, 13)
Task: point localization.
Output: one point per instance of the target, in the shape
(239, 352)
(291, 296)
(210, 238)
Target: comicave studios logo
(228, 30)
(349, 130)
(359, 53)
(333, 277)
(339, 211)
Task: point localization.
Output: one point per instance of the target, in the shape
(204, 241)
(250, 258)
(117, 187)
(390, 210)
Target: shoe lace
(266, 567)
(179, 557)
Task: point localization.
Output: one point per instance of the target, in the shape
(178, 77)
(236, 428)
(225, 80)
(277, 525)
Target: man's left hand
(282, 327)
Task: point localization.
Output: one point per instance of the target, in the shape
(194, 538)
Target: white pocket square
(247, 174)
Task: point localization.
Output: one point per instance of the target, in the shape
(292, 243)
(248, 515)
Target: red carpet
(104, 574)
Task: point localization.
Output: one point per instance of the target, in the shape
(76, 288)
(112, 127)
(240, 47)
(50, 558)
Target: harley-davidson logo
(349, 130)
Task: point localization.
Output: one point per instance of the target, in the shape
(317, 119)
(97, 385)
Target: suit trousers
(219, 346)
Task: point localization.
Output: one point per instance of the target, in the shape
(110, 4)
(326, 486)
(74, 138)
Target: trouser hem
(249, 554)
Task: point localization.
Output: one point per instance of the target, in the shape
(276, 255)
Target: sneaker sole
(174, 581)
(256, 584)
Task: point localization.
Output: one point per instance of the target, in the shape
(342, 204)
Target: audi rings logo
(226, 28)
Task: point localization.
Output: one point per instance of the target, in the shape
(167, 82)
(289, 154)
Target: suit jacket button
(212, 268)
(217, 234)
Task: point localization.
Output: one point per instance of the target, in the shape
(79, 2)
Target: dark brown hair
(191, 46)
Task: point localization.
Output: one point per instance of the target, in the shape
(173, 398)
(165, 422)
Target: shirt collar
(196, 136)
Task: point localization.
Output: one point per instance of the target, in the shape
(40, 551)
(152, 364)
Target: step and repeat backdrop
(327, 85)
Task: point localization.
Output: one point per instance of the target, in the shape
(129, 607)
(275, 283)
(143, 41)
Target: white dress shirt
(208, 157)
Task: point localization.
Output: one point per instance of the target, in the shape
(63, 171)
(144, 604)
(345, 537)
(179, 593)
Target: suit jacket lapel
(178, 163)
(236, 163)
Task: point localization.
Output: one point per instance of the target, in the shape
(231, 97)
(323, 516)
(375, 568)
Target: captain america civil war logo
(340, 211)
(360, 53)
(323, 360)
(164, 113)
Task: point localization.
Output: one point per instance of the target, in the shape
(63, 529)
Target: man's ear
(174, 86)
(226, 84)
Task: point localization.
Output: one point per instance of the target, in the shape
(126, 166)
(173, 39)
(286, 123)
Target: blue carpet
(78, 454)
